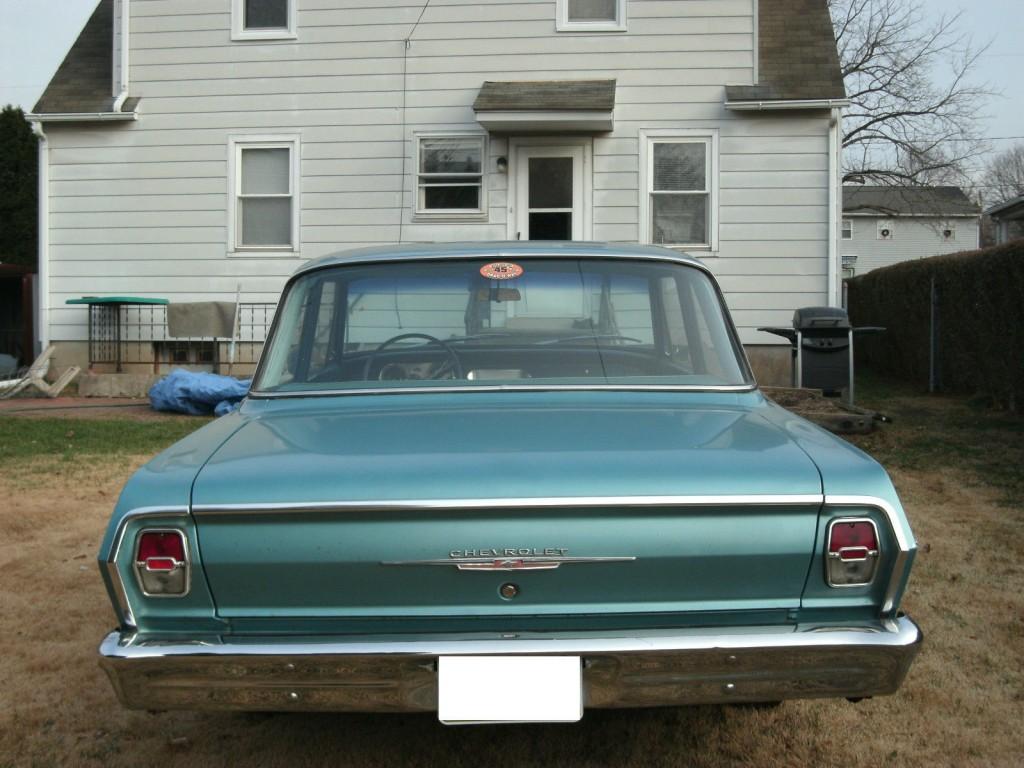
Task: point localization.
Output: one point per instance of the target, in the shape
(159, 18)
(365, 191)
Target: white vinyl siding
(263, 191)
(146, 208)
(591, 15)
(263, 19)
(450, 179)
(913, 237)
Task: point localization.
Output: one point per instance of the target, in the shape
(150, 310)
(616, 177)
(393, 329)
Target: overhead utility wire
(405, 71)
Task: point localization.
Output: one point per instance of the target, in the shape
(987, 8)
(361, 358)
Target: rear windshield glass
(529, 322)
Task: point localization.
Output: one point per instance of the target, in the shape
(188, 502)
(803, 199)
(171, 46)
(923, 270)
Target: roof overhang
(562, 106)
(1011, 210)
(859, 213)
(772, 105)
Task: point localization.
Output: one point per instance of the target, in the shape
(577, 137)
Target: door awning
(523, 106)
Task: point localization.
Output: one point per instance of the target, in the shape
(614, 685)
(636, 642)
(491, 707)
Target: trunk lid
(363, 485)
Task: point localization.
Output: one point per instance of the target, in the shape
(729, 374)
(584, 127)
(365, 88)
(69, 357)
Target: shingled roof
(83, 83)
(530, 95)
(798, 56)
(907, 201)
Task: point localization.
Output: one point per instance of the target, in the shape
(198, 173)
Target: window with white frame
(450, 174)
(948, 231)
(264, 181)
(263, 19)
(679, 190)
(847, 229)
(591, 16)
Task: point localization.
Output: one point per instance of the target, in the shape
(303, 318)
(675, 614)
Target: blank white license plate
(510, 689)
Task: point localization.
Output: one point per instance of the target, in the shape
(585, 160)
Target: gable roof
(908, 201)
(798, 56)
(83, 83)
(1009, 210)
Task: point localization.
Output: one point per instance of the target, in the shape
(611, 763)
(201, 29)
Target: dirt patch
(85, 408)
(963, 703)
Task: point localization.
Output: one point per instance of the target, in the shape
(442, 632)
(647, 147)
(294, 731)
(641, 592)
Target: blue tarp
(199, 394)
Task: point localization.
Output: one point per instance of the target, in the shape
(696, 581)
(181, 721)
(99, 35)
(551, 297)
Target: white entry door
(549, 193)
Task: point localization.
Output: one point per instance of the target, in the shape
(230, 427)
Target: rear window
(529, 322)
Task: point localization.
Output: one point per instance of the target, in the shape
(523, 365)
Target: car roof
(498, 250)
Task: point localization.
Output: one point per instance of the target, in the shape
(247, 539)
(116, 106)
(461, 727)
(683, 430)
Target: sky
(36, 34)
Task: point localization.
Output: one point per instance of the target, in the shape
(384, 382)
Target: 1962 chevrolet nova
(505, 481)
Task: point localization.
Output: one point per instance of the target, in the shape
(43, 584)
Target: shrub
(980, 321)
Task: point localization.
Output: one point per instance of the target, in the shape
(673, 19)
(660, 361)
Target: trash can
(822, 348)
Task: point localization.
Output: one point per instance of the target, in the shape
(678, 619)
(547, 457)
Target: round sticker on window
(501, 270)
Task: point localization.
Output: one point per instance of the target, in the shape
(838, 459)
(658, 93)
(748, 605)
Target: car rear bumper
(399, 673)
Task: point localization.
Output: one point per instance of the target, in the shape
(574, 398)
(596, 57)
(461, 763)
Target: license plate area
(510, 689)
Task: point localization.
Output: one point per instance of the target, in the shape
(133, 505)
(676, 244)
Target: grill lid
(821, 318)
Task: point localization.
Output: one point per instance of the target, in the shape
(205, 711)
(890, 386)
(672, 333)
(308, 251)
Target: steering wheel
(453, 363)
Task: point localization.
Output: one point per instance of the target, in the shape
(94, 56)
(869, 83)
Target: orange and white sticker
(501, 270)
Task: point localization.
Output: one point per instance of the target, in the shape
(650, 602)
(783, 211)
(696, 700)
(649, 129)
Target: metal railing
(137, 335)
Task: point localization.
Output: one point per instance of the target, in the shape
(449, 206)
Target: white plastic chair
(35, 376)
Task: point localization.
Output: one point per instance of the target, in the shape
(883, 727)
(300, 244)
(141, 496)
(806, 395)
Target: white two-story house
(201, 149)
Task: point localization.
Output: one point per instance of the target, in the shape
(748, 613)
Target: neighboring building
(192, 148)
(1008, 219)
(887, 225)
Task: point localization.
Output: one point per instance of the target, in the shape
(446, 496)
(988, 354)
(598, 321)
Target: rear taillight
(161, 563)
(851, 557)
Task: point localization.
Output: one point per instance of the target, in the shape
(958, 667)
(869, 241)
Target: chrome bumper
(398, 674)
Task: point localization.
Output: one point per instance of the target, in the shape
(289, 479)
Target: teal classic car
(505, 482)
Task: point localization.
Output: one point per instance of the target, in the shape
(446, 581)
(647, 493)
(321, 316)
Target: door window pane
(551, 226)
(266, 221)
(680, 166)
(550, 182)
(266, 14)
(592, 10)
(266, 171)
(679, 219)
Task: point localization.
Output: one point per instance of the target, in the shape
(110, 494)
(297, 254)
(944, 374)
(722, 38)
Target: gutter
(83, 117)
(121, 65)
(43, 256)
(765, 106)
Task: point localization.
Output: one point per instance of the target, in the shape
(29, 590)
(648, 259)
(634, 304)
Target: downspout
(834, 191)
(121, 64)
(43, 256)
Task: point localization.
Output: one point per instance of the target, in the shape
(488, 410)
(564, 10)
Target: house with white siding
(887, 225)
(203, 149)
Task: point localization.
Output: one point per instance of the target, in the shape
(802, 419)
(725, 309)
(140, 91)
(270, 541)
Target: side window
(450, 175)
(263, 19)
(591, 16)
(680, 193)
(847, 229)
(263, 200)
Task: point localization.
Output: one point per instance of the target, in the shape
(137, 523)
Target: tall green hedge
(980, 313)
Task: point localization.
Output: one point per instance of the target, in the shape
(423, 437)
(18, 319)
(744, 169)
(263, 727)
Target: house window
(948, 232)
(591, 16)
(847, 229)
(263, 19)
(885, 230)
(264, 180)
(450, 175)
(680, 200)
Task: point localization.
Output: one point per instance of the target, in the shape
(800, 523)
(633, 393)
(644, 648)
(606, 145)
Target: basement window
(591, 16)
(263, 19)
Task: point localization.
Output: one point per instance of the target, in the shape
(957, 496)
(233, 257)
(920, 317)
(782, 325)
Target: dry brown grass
(963, 703)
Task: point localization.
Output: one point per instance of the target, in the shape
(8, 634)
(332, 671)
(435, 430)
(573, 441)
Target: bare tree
(1004, 176)
(904, 127)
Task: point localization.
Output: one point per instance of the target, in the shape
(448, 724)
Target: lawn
(957, 467)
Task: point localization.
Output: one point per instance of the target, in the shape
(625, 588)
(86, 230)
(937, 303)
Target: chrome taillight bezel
(142, 571)
(833, 560)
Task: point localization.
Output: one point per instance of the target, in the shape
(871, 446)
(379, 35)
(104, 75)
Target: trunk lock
(508, 591)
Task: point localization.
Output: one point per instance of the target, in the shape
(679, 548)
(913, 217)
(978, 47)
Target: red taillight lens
(853, 552)
(161, 544)
(853, 540)
(161, 563)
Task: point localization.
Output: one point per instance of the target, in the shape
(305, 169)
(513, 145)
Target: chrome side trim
(507, 388)
(551, 502)
(902, 562)
(109, 561)
(511, 563)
